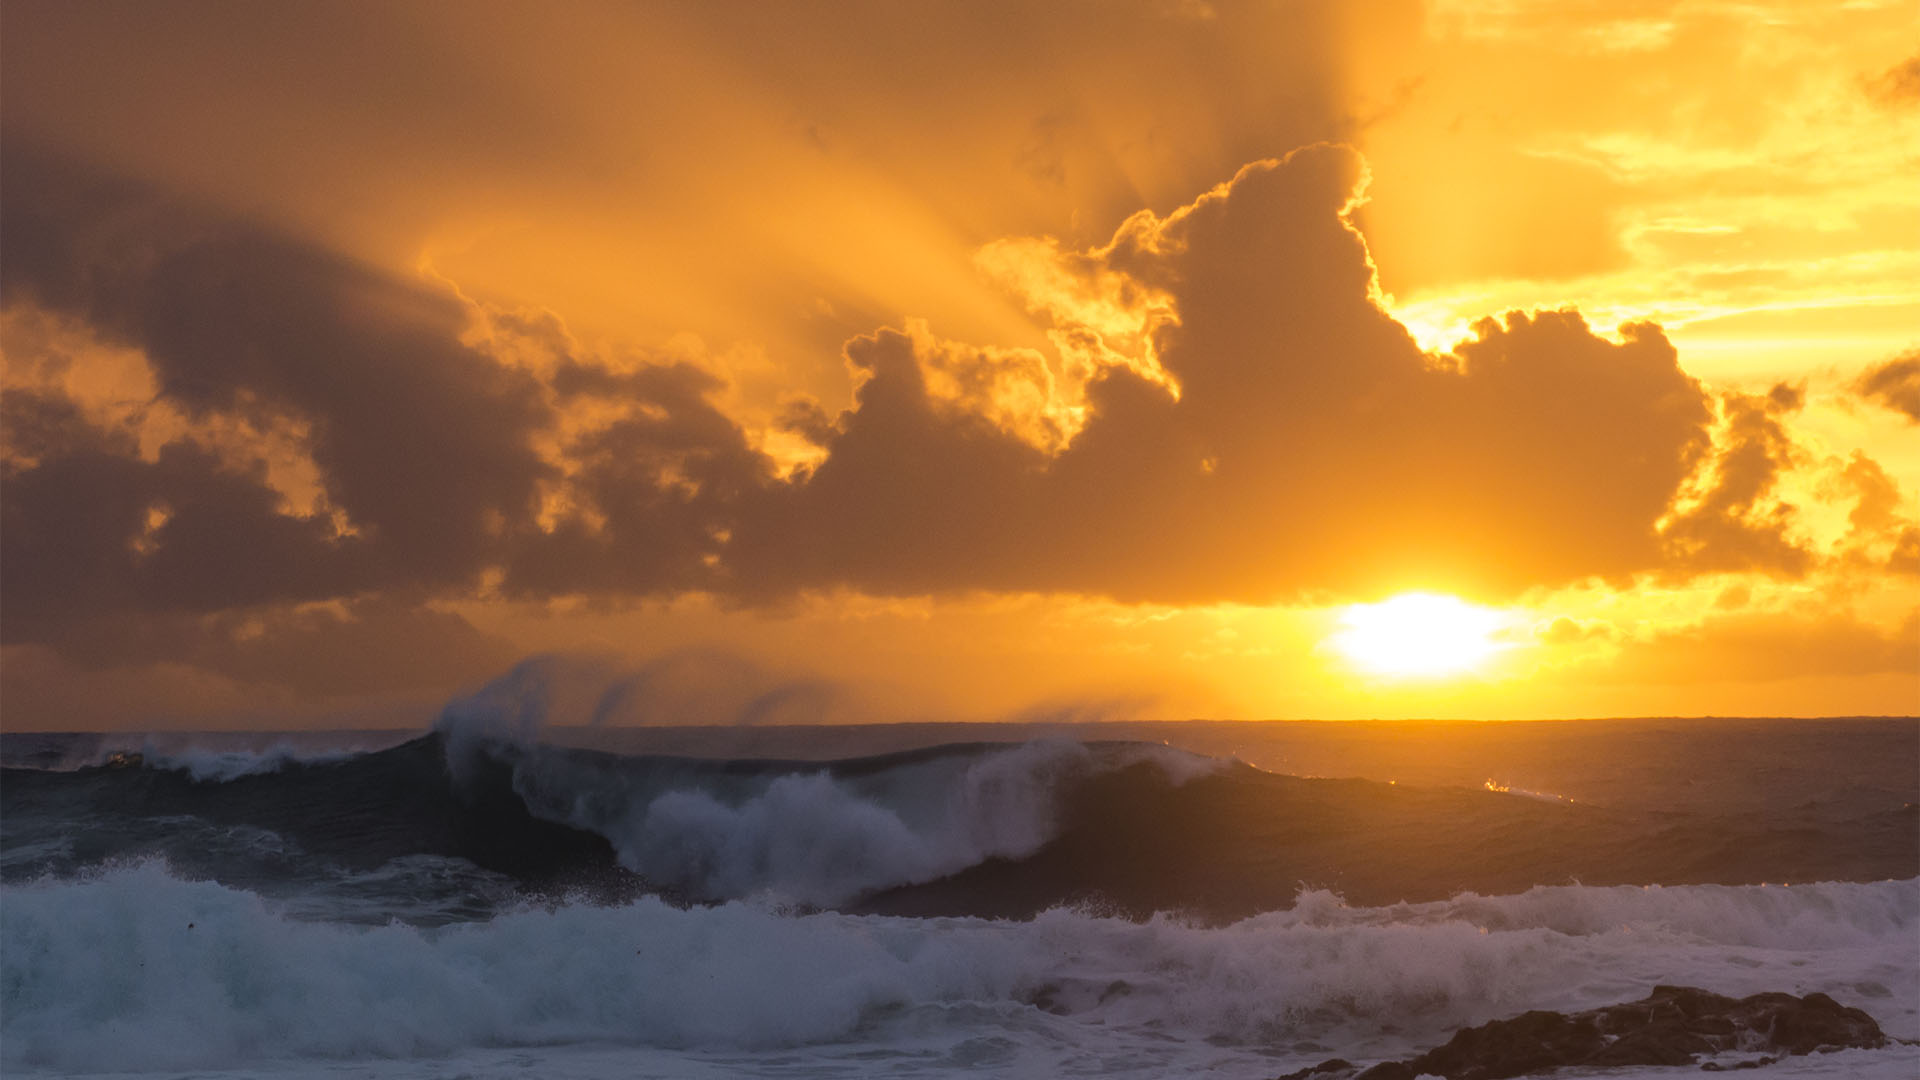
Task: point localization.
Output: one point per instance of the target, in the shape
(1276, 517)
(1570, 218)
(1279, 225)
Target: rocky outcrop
(1674, 1025)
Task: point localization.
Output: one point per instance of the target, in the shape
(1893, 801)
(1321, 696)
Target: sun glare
(1417, 634)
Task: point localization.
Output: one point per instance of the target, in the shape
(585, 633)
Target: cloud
(1879, 536)
(271, 665)
(94, 529)
(422, 439)
(1567, 630)
(1899, 84)
(435, 455)
(1299, 443)
(1227, 413)
(1733, 523)
(315, 651)
(653, 493)
(1768, 647)
(1894, 383)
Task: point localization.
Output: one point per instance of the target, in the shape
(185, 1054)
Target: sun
(1418, 634)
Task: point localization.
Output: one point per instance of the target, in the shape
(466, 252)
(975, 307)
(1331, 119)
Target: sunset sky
(969, 360)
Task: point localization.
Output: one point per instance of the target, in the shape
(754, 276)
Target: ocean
(1234, 900)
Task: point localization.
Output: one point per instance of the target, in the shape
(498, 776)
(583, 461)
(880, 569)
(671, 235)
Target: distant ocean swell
(132, 968)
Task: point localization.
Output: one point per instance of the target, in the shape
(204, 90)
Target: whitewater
(473, 903)
(135, 970)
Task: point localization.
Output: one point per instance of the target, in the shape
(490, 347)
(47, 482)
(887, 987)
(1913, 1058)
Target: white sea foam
(206, 765)
(136, 970)
(807, 835)
(816, 839)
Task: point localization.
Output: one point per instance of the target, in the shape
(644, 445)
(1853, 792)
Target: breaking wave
(133, 968)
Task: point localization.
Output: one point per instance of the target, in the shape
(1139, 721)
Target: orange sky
(957, 360)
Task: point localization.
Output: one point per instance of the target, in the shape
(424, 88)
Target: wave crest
(824, 835)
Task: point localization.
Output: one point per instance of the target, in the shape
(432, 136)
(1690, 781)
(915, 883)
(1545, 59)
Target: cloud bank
(1227, 413)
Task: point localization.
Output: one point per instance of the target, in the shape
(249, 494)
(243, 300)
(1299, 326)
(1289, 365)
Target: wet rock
(1335, 1069)
(1818, 1022)
(1529, 1043)
(1671, 1026)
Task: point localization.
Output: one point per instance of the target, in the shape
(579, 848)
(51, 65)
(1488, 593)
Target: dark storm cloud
(423, 446)
(423, 441)
(1313, 447)
(658, 492)
(91, 529)
(1894, 383)
(1313, 450)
